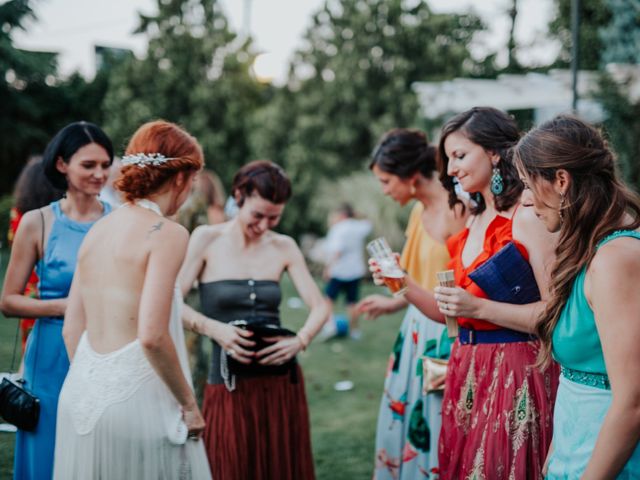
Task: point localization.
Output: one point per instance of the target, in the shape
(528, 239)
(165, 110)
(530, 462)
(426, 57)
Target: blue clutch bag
(507, 277)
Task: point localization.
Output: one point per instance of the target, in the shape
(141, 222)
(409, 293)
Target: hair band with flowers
(144, 159)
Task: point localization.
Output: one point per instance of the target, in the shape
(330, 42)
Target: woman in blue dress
(591, 325)
(77, 160)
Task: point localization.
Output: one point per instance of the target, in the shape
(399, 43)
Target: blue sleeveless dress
(584, 394)
(46, 362)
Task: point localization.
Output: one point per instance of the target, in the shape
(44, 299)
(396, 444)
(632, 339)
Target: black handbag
(18, 406)
(507, 277)
(262, 328)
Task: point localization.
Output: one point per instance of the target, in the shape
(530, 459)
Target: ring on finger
(231, 352)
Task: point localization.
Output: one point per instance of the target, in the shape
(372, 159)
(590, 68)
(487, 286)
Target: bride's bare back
(112, 265)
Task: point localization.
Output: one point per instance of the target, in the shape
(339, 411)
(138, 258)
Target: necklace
(149, 205)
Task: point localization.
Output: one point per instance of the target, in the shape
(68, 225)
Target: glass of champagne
(392, 275)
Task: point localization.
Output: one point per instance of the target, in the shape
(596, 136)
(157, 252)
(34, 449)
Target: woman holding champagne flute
(409, 422)
(497, 406)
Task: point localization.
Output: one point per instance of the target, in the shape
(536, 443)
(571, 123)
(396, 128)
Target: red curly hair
(165, 138)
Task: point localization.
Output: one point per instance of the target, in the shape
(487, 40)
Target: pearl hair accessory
(144, 159)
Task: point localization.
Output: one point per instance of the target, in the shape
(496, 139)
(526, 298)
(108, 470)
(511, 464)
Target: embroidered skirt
(497, 412)
(409, 421)
(259, 431)
(579, 413)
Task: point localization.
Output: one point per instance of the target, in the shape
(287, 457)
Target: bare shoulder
(618, 258)
(205, 235)
(167, 235)
(32, 220)
(31, 223)
(287, 246)
(284, 242)
(529, 229)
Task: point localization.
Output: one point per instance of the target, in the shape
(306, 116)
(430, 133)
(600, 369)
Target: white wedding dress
(118, 420)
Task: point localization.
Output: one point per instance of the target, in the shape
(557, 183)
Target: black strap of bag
(18, 406)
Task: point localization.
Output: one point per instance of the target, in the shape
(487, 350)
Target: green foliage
(594, 14)
(622, 35)
(622, 123)
(23, 89)
(195, 73)
(35, 102)
(350, 82)
(623, 127)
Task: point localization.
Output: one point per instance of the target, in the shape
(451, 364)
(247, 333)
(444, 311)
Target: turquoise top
(576, 344)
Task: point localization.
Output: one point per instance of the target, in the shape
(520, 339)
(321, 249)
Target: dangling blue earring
(497, 183)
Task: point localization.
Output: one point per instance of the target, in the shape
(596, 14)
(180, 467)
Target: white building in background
(547, 94)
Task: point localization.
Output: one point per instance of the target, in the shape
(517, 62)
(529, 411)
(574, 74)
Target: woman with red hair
(127, 407)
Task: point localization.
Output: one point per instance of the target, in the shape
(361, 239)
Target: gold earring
(560, 207)
(412, 191)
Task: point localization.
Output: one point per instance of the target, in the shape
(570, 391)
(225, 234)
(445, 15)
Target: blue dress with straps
(46, 362)
(584, 394)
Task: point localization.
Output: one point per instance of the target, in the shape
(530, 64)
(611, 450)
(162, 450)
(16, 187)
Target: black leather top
(228, 300)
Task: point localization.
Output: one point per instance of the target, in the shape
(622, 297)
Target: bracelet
(305, 343)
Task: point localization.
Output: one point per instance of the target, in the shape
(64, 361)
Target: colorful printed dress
(46, 362)
(584, 394)
(497, 409)
(409, 421)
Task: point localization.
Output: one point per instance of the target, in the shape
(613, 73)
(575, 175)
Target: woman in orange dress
(498, 407)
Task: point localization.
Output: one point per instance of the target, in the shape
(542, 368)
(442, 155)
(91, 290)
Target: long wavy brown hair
(596, 204)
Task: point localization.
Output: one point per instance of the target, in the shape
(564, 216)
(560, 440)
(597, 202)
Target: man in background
(345, 265)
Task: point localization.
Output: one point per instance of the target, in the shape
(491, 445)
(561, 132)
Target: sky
(73, 27)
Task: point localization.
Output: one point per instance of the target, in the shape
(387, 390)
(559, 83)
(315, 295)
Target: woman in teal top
(591, 325)
(77, 160)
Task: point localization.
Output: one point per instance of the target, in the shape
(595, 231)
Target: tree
(623, 127)
(622, 39)
(349, 83)
(622, 35)
(594, 14)
(36, 102)
(24, 87)
(195, 73)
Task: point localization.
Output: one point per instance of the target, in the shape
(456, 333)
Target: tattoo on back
(155, 228)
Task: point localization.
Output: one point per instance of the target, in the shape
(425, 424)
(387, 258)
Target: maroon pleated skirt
(260, 431)
(497, 412)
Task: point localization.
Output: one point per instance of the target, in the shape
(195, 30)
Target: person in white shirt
(345, 260)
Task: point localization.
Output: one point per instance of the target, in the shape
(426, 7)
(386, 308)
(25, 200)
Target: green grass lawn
(342, 423)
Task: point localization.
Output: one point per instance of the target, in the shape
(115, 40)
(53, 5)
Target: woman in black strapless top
(254, 402)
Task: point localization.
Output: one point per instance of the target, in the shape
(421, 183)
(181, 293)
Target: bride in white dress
(127, 408)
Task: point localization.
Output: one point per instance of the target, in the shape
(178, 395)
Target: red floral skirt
(497, 412)
(260, 431)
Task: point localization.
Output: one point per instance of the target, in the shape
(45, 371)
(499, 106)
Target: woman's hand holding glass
(457, 302)
(385, 267)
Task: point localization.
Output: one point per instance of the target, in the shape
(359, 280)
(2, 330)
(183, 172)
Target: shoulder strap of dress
(619, 233)
(57, 210)
(106, 207)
